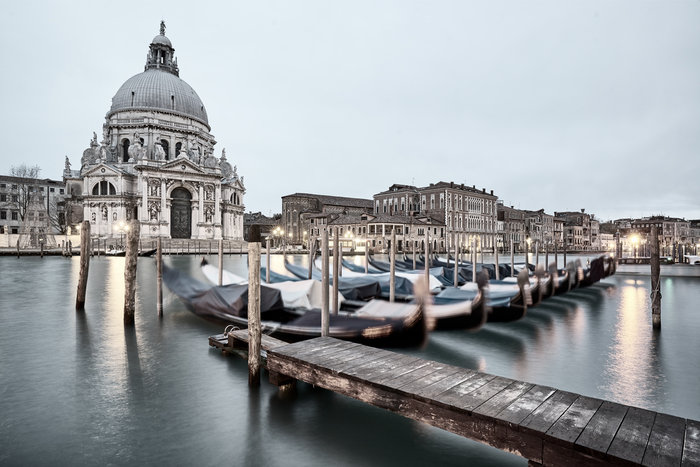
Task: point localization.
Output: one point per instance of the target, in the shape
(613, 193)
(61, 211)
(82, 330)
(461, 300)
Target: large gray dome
(159, 90)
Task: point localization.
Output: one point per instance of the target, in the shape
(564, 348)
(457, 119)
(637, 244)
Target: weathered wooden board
(632, 437)
(691, 445)
(548, 412)
(429, 392)
(665, 445)
(453, 395)
(502, 399)
(516, 412)
(572, 422)
(600, 431)
(483, 393)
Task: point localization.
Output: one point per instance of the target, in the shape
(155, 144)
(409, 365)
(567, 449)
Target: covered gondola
(378, 323)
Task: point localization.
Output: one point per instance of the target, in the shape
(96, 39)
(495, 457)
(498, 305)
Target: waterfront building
(674, 233)
(156, 161)
(374, 231)
(513, 227)
(302, 212)
(31, 210)
(257, 227)
(539, 227)
(607, 242)
(464, 210)
(577, 229)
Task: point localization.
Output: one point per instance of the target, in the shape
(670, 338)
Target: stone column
(217, 205)
(200, 216)
(143, 182)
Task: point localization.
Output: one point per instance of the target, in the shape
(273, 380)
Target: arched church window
(103, 188)
(166, 148)
(125, 149)
(178, 148)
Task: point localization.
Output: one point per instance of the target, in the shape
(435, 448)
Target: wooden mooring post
(267, 260)
(427, 254)
(132, 254)
(312, 244)
(367, 256)
(325, 316)
(254, 331)
(456, 269)
(84, 264)
(512, 260)
(564, 246)
(498, 274)
(655, 279)
(221, 261)
(336, 269)
(159, 281)
(392, 266)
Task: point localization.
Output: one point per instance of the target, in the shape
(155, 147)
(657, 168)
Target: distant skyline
(553, 105)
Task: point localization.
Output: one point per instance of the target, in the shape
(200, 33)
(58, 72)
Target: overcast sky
(560, 105)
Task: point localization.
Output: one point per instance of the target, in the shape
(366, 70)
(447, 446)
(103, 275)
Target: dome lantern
(161, 54)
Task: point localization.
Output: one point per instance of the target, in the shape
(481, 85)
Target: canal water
(77, 388)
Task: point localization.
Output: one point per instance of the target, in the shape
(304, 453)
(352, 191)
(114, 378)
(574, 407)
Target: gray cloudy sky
(560, 105)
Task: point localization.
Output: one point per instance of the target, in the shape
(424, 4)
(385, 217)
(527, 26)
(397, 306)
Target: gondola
(506, 300)
(378, 323)
(358, 288)
(467, 313)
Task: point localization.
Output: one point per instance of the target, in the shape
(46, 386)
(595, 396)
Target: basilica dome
(159, 87)
(159, 90)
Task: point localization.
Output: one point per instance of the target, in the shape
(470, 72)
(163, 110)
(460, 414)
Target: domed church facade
(156, 161)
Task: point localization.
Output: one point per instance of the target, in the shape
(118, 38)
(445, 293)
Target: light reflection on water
(79, 386)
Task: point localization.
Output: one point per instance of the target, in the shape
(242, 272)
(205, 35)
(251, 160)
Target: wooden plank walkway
(542, 424)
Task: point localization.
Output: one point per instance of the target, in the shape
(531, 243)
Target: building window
(15, 198)
(61, 191)
(166, 148)
(125, 150)
(3, 197)
(103, 188)
(15, 215)
(3, 214)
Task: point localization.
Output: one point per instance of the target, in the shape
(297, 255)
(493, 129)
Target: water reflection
(632, 363)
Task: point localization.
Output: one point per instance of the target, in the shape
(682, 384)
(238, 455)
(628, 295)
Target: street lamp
(349, 236)
(122, 227)
(277, 232)
(634, 239)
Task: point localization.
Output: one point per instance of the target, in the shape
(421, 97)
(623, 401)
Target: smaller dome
(161, 39)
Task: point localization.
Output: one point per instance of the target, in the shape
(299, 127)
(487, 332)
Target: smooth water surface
(77, 388)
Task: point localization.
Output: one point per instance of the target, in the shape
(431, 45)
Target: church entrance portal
(181, 214)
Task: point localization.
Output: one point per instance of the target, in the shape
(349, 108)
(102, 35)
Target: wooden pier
(542, 424)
